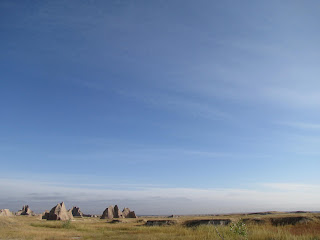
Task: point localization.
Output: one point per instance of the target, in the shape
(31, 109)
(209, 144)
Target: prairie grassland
(25, 227)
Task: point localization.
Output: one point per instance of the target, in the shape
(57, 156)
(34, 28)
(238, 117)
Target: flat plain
(282, 226)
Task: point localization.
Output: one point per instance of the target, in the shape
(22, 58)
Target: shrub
(239, 228)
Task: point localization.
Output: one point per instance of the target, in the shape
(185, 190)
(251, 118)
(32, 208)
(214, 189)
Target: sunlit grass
(24, 227)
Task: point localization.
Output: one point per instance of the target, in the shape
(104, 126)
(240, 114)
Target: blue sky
(163, 97)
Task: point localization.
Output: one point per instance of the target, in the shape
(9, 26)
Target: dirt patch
(195, 223)
(261, 213)
(289, 221)
(254, 221)
(160, 222)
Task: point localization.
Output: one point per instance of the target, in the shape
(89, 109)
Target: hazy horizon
(165, 107)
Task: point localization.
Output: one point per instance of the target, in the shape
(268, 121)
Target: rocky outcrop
(6, 213)
(108, 213)
(25, 211)
(59, 212)
(127, 213)
(114, 212)
(160, 222)
(254, 221)
(45, 214)
(195, 223)
(117, 213)
(76, 212)
(289, 220)
(70, 213)
(262, 213)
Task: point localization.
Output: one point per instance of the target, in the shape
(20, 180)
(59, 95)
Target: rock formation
(126, 213)
(254, 220)
(70, 213)
(108, 213)
(114, 212)
(25, 211)
(289, 220)
(160, 222)
(59, 212)
(198, 222)
(117, 212)
(45, 214)
(5, 213)
(76, 212)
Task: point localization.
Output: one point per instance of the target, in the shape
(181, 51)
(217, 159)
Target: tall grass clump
(67, 224)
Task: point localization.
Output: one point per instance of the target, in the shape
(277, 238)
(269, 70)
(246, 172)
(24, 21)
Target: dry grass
(24, 227)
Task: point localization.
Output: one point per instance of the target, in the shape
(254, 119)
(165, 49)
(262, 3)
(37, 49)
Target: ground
(26, 227)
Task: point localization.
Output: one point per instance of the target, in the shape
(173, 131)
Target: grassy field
(26, 227)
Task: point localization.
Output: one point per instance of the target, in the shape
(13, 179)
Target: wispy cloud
(163, 100)
(274, 196)
(293, 187)
(295, 98)
(301, 125)
(180, 104)
(144, 153)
